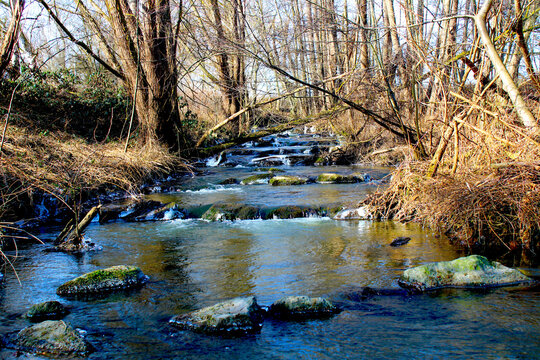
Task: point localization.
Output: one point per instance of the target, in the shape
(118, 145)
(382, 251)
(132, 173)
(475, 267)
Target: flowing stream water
(194, 263)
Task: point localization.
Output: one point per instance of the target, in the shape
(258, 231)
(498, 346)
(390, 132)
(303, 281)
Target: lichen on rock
(114, 278)
(466, 272)
(302, 307)
(234, 317)
(52, 337)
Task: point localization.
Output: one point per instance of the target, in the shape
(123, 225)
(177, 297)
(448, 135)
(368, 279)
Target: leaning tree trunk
(509, 86)
(12, 35)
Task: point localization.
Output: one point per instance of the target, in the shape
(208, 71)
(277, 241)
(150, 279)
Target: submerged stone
(52, 337)
(229, 181)
(49, 310)
(234, 317)
(467, 272)
(257, 179)
(111, 279)
(331, 178)
(302, 307)
(281, 180)
(221, 212)
(361, 213)
(399, 241)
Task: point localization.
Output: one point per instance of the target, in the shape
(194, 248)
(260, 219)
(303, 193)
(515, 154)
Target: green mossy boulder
(119, 277)
(257, 179)
(49, 310)
(302, 307)
(466, 272)
(283, 180)
(221, 212)
(234, 317)
(331, 178)
(52, 337)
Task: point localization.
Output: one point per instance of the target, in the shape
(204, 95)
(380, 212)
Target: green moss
(271, 170)
(257, 179)
(121, 276)
(470, 271)
(283, 180)
(331, 178)
(46, 310)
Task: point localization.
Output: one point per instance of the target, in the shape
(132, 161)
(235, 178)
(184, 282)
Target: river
(194, 263)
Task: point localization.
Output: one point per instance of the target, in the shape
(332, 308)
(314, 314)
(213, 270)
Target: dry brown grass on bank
(491, 207)
(63, 164)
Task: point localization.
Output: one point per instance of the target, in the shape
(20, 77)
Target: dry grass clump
(67, 166)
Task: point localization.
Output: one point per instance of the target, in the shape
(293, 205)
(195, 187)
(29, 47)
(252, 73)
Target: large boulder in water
(48, 310)
(466, 272)
(302, 307)
(53, 337)
(111, 279)
(235, 317)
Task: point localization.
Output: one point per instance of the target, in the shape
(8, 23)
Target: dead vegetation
(70, 167)
(485, 188)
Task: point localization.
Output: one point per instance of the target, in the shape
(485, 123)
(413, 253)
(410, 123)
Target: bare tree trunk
(509, 86)
(363, 33)
(11, 36)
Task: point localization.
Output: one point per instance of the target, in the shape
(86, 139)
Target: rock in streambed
(52, 337)
(302, 307)
(284, 180)
(332, 178)
(115, 278)
(466, 272)
(234, 317)
(49, 310)
(221, 212)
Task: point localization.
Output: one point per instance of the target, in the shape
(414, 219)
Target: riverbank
(61, 167)
(492, 210)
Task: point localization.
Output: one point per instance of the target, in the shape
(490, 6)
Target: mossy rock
(332, 178)
(466, 272)
(234, 317)
(302, 307)
(52, 337)
(288, 212)
(221, 212)
(114, 278)
(49, 310)
(283, 180)
(257, 179)
(270, 170)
